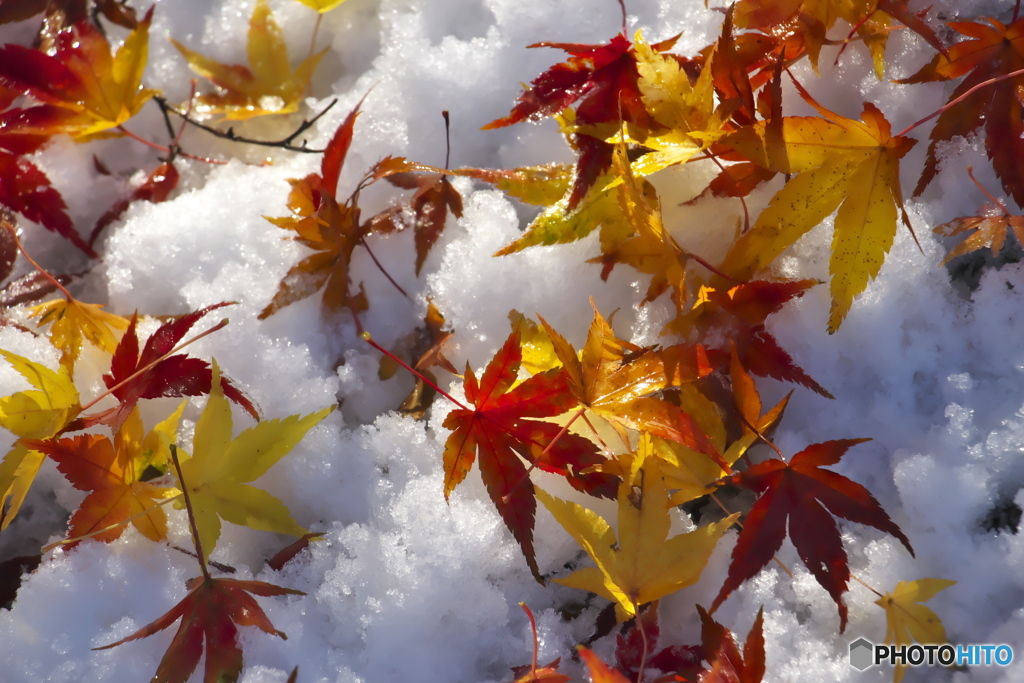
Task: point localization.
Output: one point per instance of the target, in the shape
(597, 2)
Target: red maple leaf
(738, 314)
(990, 52)
(498, 430)
(210, 613)
(605, 81)
(800, 492)
(154, 374)
(728, 664)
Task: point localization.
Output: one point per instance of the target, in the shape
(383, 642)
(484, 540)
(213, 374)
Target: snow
(405, 586)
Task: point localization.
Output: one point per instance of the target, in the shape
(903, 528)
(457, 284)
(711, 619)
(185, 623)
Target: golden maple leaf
(267, 86)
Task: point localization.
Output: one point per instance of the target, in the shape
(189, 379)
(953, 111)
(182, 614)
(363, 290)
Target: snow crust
(405, 586)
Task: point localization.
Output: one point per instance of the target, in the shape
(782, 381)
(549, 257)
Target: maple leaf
(906, 620)
(433, 199)
(155, 373)
(985, 231)
(648, 247)
(990, 52)
(267, 86)
(331, 229)
(619, 388)
(728, 664)
(837, 163)
(210, 613)
(218, 472)
(72, 323)
(111, 472)
(604, 81)
(84, 90)
(322, 6)
(737, 316)
(38, 413)
(871, 19)
(639, 638)
(25, 189)
(599, 671)
(693, 474)
(800, 491)
(499, 430)
(643, 564)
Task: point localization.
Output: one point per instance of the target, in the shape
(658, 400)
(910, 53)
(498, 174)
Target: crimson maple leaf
(154, 373)
(738, 315)
(605, 81)
(991, 51)
(211, 612)
(728, 664)
(800, 492)
(499, 430)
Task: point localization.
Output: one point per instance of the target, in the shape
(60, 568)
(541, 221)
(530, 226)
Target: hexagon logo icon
(861, 654)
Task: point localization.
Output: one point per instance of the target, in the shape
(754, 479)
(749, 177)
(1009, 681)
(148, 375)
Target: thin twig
(229, 134)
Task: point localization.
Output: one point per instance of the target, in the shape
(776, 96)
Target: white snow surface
(406, 586)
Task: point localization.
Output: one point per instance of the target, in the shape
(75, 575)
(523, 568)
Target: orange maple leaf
(111, 472)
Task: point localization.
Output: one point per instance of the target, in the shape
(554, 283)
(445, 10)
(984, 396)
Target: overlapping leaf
(219, 471)
(615, 379)
(38, 413)
(990, 51)
(837, 163)
(603, 80)
(737, 316)
(112, 474)
(499, 431)
(72, 323)
(84, 90)
(642, 564)
(156, 371)
(800, 492)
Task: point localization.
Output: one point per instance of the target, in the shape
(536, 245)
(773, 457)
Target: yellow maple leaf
(322, 6)
(38, 413)
(837, 163)
(268, 86)
(906, 620)
(218, 472)
(643, 564)
(691, 473)
(72, 322)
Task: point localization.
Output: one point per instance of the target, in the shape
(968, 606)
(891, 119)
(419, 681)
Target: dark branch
(229, 134)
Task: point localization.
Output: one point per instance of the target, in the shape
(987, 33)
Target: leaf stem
(643, 638)
(369, 340)
(861, 582)
(97, 532)
(958, 100)
(191, 515)
(149, 366)
(1002, 207)
(7, 225)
